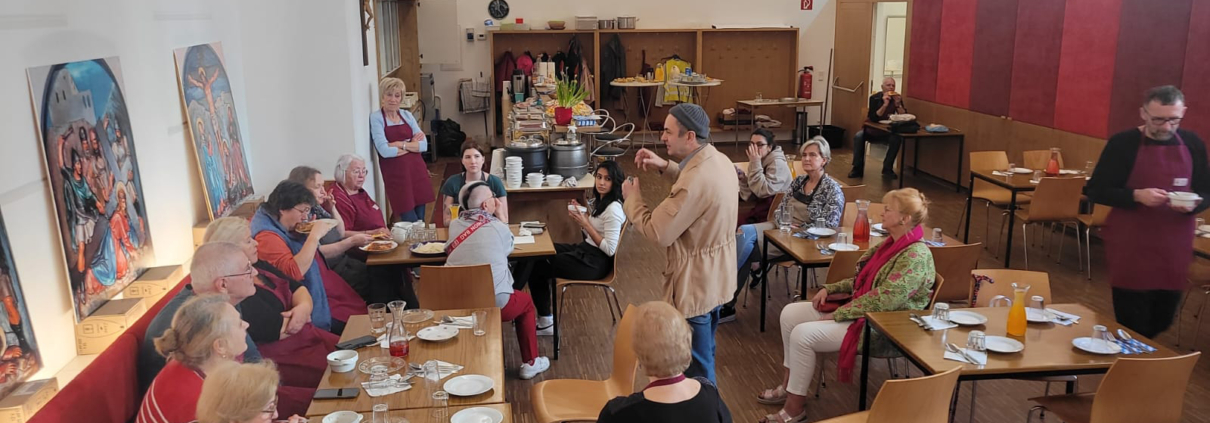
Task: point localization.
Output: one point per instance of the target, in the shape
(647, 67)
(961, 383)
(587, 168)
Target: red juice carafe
(1052, 165)
(397, 337)
(861, 226)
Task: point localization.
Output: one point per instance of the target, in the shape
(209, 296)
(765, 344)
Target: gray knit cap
(693, 118)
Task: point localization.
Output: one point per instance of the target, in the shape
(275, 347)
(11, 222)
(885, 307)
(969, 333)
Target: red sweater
(172, 397)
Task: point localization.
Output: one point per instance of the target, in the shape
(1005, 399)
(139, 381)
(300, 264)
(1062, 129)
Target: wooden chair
(1096, 219)
(852, 192)
(954, 263)
(581, 400)
(1057, 200)
(605, 284)
(917, 400)
(456, 287)
(991, 194)
(784, 265)
(1199, 280)
(850, 214)
(1037, 159)
(1134, 390)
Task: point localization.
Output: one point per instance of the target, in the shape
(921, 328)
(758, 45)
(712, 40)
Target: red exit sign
(807, 4)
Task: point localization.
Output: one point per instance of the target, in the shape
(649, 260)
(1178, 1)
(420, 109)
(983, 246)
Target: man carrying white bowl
(1154, 176)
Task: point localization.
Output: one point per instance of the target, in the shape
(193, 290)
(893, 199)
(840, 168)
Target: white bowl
(342, 361)
(343, 417)
(533, 184)
(1183, 199)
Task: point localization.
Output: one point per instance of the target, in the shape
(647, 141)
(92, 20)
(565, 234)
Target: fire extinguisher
(804, 82)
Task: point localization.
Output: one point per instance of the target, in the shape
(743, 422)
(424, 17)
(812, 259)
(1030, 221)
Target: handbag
(834, 301)
(905, 127)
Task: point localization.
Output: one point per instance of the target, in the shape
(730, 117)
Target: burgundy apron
(1150, 248)
(405, 177)
(301, 358)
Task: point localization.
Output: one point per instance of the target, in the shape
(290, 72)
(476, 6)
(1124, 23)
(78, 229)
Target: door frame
(851, 120)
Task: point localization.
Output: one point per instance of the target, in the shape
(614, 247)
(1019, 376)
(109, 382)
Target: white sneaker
(528, 371)
(546, 325)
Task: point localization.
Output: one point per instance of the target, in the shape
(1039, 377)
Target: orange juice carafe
(1052, 165)
(1016, 312)
(861, 226)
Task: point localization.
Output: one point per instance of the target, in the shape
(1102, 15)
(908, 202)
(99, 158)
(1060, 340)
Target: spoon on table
(1138, 344)
(951, 347)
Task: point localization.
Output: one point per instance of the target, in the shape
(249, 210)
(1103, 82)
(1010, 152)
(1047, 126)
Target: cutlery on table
(1138, 344)
(951, 347)
(1126, 347)
(920, 321)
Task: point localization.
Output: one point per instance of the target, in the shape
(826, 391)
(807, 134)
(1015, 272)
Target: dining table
(1048, 347)
(428, 415)
(542, 245)
(480, 355)
(918, 136)
(804, 253)
(1015, 183)
(1201, 246)
(800, 106)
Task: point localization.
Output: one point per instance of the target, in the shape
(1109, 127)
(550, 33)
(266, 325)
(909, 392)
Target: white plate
(967, 318)
(843, 247)
(878, 227)
(885, 121)
(1001, 344)
(821, 231)
(477, 415)
(468, 385)
(343, 417)
(1022, 170)
(437, 333)
(393, 245)
(1096, 347)
(1038, 316)
(1069, 172)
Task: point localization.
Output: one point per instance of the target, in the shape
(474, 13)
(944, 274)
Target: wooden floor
(749, 360)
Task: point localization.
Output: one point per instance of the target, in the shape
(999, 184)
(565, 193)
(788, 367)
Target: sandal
(775, 396)
(782, 417)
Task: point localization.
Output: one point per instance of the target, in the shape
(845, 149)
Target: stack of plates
(554, 180)
(512, 172)
(534, 180)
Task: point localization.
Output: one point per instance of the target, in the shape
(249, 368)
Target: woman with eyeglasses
(279, 313)
(297, 256)
(359, 211)
(768, 173)
(241, 393)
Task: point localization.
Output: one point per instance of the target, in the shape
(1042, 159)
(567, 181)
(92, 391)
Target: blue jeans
(413, 215)
(703, 345)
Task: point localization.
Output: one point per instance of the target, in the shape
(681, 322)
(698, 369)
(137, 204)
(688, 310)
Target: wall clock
(498, 9)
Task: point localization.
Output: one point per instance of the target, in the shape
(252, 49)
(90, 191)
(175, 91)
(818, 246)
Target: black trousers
(892, 152)
(1147, 312)
(571, 261)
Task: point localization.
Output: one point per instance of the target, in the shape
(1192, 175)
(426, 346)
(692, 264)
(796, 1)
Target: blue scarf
(321, 314)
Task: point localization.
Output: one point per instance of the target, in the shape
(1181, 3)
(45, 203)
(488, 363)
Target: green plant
(569, 92)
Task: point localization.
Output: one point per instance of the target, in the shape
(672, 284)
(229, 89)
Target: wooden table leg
(1008, 243)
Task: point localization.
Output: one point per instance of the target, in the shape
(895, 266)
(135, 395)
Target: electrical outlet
(482, 36)
(470, 34)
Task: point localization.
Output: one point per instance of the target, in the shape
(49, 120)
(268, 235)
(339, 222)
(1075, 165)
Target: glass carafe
(1016, 312)
(1052, 165)
(861, 226)
(397, 340)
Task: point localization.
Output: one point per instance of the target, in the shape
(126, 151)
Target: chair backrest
(989, 160)
(625, 362)
(916, 400)
(844, 265)
(1002, 280)
(1037, 159)
(852, 192)
(777, 199)
(1143, 390)
(1100, 213)
(938, 285)
(955, 263)
(850, 213)
(1056, 199)
(456, 287)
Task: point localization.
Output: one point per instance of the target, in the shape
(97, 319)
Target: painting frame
(20, 357)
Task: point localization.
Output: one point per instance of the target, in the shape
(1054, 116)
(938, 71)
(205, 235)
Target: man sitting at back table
(883, 104)
(218, 268)
(478, 237)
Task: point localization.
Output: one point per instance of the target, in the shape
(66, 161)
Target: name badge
(375, 207)
(1180, 182)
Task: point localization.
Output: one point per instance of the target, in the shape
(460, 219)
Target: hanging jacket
(504, 70)
(613, 66)
(674, 66)
(526, 64)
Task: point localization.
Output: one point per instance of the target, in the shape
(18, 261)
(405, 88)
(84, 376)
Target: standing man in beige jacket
(696, 223)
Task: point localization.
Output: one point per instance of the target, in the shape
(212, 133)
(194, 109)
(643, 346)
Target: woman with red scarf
(892, 276)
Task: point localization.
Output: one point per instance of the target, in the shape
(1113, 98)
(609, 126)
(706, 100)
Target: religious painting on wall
(94, 177)
(19, 358)
(214, 127)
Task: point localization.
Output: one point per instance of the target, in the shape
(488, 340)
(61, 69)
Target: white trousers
(803, 335)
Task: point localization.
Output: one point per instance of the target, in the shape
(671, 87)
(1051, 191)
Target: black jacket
(1108, 183)
(613, 66)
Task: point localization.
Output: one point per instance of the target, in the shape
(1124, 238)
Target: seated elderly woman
(338, 240)
(813, 195)
(892, 276)
(206, 332)
(241, 393)
(768, 173)
(279, 313)
(358, 211)
(662, 346)
(490, 241)
(297, 256)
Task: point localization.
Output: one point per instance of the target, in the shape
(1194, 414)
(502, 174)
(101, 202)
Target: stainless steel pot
(626, 22)
(571, 161)
(605, 24)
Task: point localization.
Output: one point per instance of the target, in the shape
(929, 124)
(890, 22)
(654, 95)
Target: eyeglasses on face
(1162, 120)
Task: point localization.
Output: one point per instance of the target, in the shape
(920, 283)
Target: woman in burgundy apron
(1148, 242)
(398, 140)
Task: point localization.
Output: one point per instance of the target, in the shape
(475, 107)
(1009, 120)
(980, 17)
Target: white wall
(300, 91)
(815, 38)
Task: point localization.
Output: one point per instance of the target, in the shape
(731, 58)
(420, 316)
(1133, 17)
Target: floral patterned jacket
(903, 283)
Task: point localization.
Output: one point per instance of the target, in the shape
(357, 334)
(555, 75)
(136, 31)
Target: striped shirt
(172, 397)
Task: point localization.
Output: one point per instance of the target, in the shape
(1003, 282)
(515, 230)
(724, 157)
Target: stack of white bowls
(554, 180)
(512, 172)
(534, 180)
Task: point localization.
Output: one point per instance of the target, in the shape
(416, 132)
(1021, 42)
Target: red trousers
(520, 311)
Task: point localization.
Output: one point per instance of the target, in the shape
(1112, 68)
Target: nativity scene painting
(210, 108)
(93, 170)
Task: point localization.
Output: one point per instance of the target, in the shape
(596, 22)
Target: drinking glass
(378, 373)
(976, 341)
(759, 97)
(1198, 228)
(784, 220)
(937, 236)
(480, 322)
(378, 318)
(941, 312)
(821, 223)
(441, 404)
(1089, 166)
(1011, 166)
(1037, 176)
(432, 375)
(1100, 334)
(843, 238)
(1037, 302)
(380, 413)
